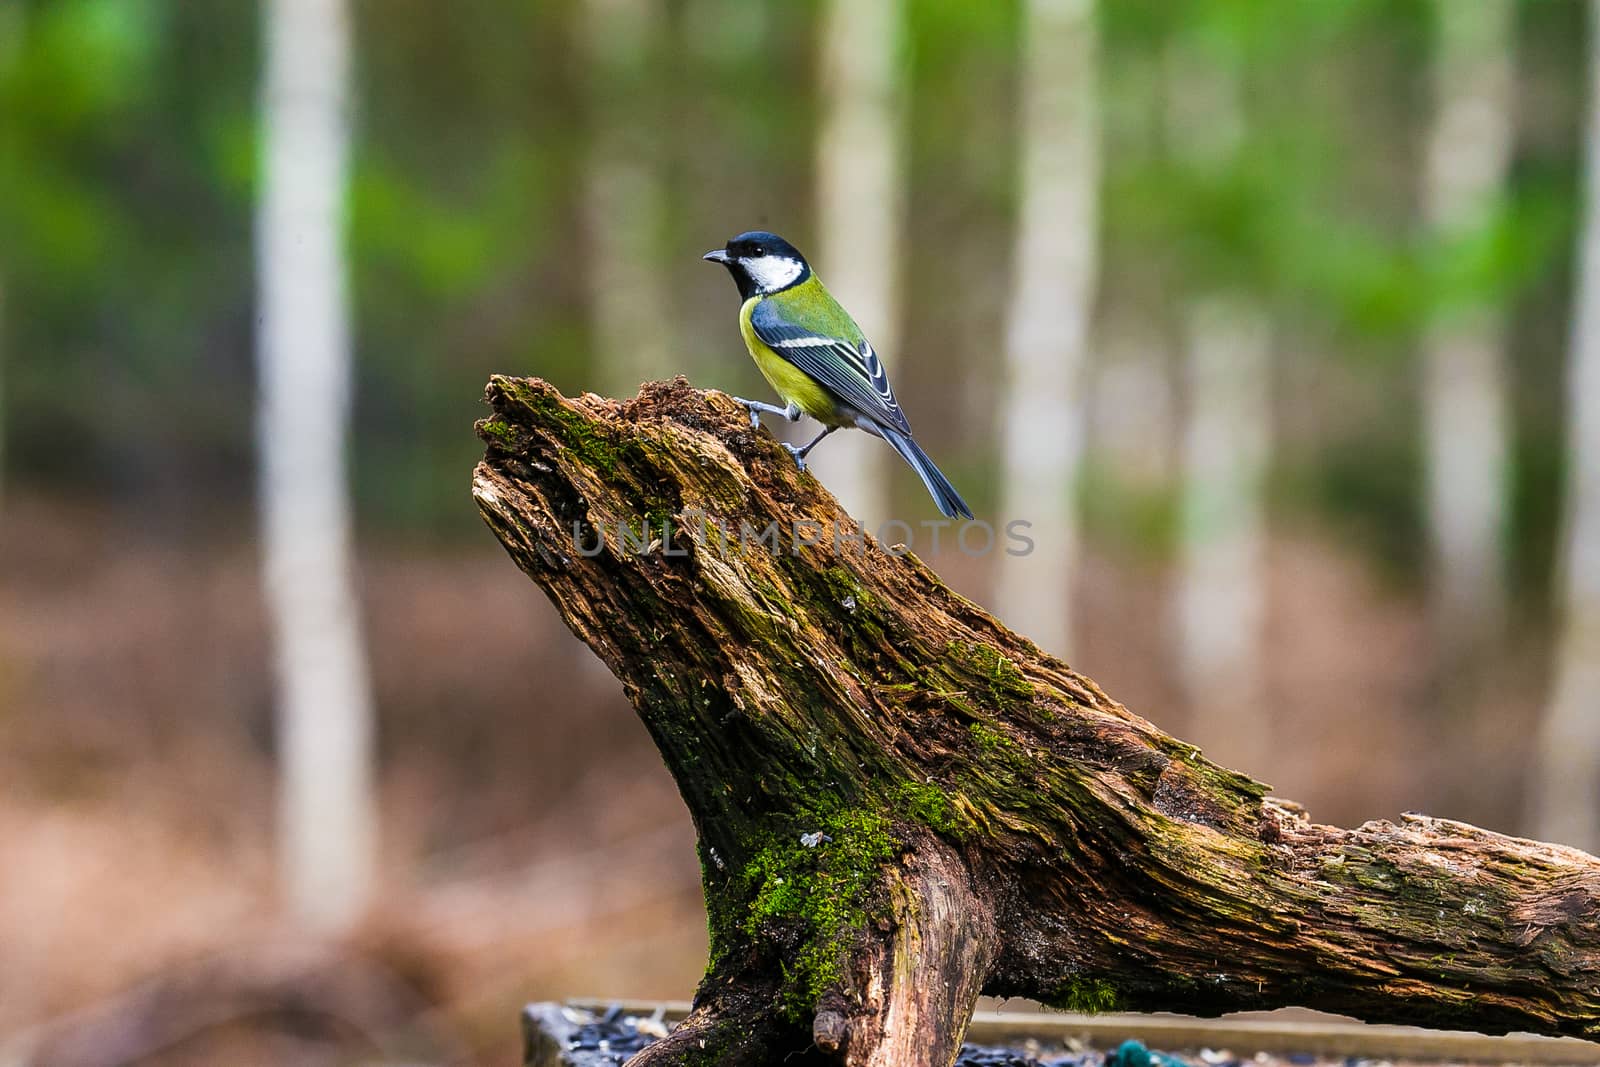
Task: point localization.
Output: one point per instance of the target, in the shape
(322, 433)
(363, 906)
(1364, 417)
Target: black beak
(717, 255)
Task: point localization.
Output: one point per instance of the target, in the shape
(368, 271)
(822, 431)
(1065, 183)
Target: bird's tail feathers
(944, 494)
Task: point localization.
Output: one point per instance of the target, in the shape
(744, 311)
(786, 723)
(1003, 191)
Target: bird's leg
(756, 407)
(799, 454)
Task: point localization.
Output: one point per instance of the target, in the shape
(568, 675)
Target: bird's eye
(758, 251)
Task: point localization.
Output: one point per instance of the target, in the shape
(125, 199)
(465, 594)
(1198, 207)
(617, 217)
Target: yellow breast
(791, 383)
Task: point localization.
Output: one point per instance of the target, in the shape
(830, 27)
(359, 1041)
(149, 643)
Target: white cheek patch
(772, 273)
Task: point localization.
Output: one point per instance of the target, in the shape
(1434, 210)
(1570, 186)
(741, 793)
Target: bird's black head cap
(761, 263)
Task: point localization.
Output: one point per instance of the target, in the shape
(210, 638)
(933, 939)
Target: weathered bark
(989, 819)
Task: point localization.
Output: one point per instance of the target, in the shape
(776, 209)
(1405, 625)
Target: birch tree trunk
(860, 208)
(1222, 593)
(1566, 772)
(624, 208)
(1221, 597)
(324, 699)
(1465, 408)
(1047, 330)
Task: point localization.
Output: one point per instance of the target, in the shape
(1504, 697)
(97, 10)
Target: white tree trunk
(1465, 408)
(1221, 596)
(624, 207)
(1222, 591)
(1566, 772)
(325, 711)
(1047, 329)
(860, 204)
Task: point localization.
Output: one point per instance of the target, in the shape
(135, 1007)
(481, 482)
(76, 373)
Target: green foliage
(128, 183)
(124, 262)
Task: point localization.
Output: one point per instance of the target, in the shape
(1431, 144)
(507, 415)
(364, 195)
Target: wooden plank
(1242, 1036)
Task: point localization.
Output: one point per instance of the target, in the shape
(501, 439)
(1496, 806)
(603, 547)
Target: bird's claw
(797, 452)
(753, 408)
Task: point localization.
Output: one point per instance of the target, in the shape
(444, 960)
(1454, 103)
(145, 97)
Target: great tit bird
(812, 352)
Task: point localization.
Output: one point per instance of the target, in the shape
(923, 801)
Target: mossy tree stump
(901, 804)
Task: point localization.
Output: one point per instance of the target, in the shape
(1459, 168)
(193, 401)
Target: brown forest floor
(533, 846)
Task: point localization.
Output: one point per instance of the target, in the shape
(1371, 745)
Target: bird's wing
(846, 367)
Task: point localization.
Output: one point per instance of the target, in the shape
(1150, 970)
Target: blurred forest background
(1280, 321)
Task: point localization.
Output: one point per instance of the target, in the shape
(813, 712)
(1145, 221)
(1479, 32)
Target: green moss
(1086, 996)
(1211, 777)
(722, 912)
(500, 432)
(716, 1049)
(936, 684)
(932, 807)
(1000, 679)
(989, 739)
(586, 439)
(844, 589)
(816, 897)
(653, 528)
(771, 596)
